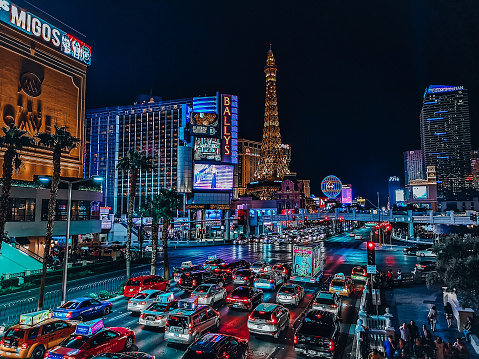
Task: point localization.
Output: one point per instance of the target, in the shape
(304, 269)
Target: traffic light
(326, 218)
(371, 253)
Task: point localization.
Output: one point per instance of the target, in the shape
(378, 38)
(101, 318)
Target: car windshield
(327, 301)
(133, 283)
(192, 354)
(266, 276)
(358, 270)
(240, 292)
(14, 334)
(202, 289)
(262, 315)
(70, 305)
(318, 318)
(257, 265)
(177, 321)
(141, 296)
(285, 289)
(243, 272)
(157, 307)
(338, 283)
(74, 342)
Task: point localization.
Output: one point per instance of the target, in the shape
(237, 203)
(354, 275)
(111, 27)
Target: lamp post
(69, 210)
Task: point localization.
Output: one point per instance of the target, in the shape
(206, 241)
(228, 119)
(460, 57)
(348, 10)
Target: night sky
(351, 74)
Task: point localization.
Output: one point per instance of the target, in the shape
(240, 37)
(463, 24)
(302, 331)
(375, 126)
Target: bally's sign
(229, 112)
(32, 25)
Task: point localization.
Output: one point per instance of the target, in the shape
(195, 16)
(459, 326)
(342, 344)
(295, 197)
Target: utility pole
(379, 223)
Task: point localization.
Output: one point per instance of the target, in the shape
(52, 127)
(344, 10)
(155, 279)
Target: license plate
(176, 334)
(312, 352)
(147, 323)
(259, 326)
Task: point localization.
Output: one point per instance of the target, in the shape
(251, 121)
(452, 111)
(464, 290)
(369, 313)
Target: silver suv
(268, 319)
(329, 302)
(185, 326)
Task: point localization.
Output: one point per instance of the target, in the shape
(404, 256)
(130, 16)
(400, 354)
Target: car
(243, 276)
(35, 334)
(326, 301)
(358, 236)
(359, 273)
(341, 284)
(134, 285)
(260, 267)
(81, 308)
(185, 267)
(228, 269)
(149, 248)
(209, 293)
(157, 313)
(128, 355)
(190, 280)
(213, 262)
(244, 298)
(92, 338)
(142, 300)
(268, 280)
(268, 319)
(425, 253)
(352, 234)
(284, 269)
(426, 266)
(217, 278)
(415, 248)
(290, 294)
(217, 346)
(318, 334)
(186, 324)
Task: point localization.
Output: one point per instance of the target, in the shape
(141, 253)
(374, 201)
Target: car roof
(209, 342)
(289, 285)
(81, 299)
(186, 312)
(205, 285)
(266, 307)
(321, 312)
(26, 327)
(326, 295)
(143, 277)
(149, 291)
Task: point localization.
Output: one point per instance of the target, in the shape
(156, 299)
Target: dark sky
(351, 74)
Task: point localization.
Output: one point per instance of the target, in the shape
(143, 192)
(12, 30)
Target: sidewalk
(413, 303)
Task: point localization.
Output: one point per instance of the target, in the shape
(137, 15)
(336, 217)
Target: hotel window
(21, 210)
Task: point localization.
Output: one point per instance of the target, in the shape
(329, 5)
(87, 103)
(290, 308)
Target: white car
(149, 248)
(290, 294)
(142, 300)
(268, 280)
(209, 293)
(425, 253)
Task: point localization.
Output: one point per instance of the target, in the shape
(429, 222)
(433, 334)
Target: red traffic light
(341, 219)
(326, 218)
(371, 245)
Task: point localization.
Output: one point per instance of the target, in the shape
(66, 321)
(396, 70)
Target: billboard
(229, 142)
(347, 195)
(32, 25)
(207, 149)
(213, 177)
(205, 124)
(399, 195)
(419, 192)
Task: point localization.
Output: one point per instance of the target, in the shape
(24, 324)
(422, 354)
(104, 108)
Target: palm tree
(132, 162)
(13, 141)
(61, 141)
(153, 208)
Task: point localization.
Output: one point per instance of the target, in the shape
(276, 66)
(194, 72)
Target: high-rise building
(446, 139)
(413, 166)
(393, 186)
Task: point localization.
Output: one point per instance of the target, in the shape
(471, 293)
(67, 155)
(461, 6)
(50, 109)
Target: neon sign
(229, 111)
(443, 88)
(30, 24)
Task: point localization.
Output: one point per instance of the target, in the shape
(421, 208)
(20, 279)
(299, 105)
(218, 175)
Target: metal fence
(10, 312)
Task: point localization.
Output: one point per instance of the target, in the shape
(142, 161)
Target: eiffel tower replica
(272, 166)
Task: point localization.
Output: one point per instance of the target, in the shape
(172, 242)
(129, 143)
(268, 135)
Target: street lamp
(97, 179)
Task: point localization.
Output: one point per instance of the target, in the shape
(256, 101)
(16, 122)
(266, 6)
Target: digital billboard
(419, 192)
(207, 149)
(213, 177)
(205, 124)
(347, 195)
(399, 195)
(30, 24)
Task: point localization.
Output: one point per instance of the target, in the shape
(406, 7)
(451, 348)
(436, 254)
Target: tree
(13, 141)
(132, 162)
(457, 267)
(61, 141)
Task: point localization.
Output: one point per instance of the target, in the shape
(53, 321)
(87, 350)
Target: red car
(80, 346)
(137, 284)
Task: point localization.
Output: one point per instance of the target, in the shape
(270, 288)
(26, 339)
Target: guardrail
(29, 252)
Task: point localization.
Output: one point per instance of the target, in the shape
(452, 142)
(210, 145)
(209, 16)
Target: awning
(22, 240)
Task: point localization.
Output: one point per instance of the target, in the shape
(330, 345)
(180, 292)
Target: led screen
(213, 177)
(419, 192)
(347, 195)
(399, 195)
(207, 149)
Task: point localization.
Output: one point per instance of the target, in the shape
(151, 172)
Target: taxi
(92, 338)
(143, 300)
(81, 308)
(156, 314)
(341, 284)
(213, 262)
(359, 273)
(35, 333)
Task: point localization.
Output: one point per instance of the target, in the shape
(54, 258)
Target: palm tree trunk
(6, 188)
(52, 203)
(154, 244)
(164, 239)
(131, 204)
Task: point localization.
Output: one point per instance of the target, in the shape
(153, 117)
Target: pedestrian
(449, 351)
(405, 335)
(448, 313)
(375, 355)
(467, 328)
(389, 347)
(461, 349)
(424, 331)
(413, 333)
(389, 278)
(419, 350)
(432, 317)
(399, 275)
(439, 348)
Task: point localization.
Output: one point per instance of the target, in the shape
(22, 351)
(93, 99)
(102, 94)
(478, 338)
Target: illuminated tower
(272, 163)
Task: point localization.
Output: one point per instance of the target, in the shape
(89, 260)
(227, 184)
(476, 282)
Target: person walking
(448, 313)
(413, 333)
(439, 348)
(449, 351)
(389, 348)
(405, 335)
(432, 317)
(461, 349)
(467, 329)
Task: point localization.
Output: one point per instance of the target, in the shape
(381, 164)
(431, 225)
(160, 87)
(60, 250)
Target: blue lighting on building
(435, 118)
(439, 133)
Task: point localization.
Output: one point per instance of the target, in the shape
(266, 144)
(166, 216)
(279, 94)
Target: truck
(307, 263)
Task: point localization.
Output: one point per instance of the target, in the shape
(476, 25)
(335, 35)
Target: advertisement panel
(229, 142)
(32, 25)
(399, 195)
(303, 262)
(419, 192)
(207, 149)
(213, 177)
(205, 124)
(347, 195)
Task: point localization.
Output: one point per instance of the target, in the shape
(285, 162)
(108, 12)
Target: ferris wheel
(331, 186)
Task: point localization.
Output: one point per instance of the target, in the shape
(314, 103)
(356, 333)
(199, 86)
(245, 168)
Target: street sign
(371, 269)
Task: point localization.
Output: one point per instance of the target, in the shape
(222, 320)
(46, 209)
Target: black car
(127, 355)
(415, 248)
(230, 268)
(190, 280)
(426, 266)
(244, 276)
(217, 346)
(284, 269)
(318, 334)
(217, 278)
(244, 298)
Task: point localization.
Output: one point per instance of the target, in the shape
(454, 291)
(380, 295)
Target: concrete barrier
(475, 343)
(461, 314)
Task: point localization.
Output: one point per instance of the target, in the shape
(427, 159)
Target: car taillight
(423, 266)
(194, 282)
(142, 303)
(295, 340)
(273, 320)
(217, 270)
(334, 306)
(331, 346)
(167, 324)
(142, 316)
(234, 277)
(207, 296)
(364, 273)
(250, 317)
(45, 355)
(159, 317)
(198, 352)
(69, 314)
(294, 295)
(284, 270)
(315, 303)
(180, 281)
(330, 284)
(24, 346)
(271, 281)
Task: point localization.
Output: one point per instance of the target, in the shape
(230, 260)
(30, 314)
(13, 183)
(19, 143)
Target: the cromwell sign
(42, 30)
